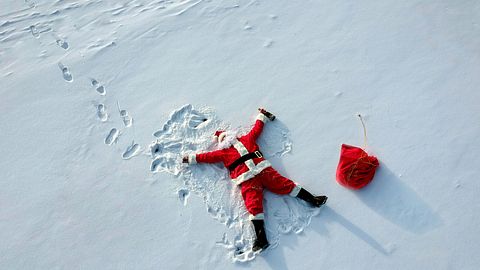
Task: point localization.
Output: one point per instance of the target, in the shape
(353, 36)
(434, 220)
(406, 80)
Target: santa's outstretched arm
(208, 157)
(262, 118)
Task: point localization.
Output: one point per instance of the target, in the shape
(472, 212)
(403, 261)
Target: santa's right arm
(262, 118)
(208, 157)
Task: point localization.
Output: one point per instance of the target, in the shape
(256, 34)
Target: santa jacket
(242, 146)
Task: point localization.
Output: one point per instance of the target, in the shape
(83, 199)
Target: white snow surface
(100, 100)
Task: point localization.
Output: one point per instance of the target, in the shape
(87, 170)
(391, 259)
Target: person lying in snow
(249, 169)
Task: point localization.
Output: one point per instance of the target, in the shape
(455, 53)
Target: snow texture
(94, 123)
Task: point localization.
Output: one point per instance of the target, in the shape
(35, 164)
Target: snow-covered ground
(99, 100)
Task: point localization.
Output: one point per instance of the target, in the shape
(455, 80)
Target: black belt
(242, 159)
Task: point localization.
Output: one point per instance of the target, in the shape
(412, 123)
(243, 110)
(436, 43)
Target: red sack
(355, 168)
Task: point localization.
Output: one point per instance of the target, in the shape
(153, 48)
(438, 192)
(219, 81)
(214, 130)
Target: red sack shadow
(356, 168)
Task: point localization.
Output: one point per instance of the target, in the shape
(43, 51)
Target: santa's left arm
(262, 118)
(208, 157)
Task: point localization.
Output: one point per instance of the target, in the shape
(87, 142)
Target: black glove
(268, 114)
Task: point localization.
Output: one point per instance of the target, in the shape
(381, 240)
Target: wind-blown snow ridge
(190, 130)
(43, 19)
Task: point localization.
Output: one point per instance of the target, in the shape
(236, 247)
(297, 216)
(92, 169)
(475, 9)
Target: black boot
(261, 242)
(315, 201)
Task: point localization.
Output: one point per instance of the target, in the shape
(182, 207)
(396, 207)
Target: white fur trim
(242, 150)
(260, 216)
(228, 141)
(295, 191)
(252, 172)
(192, 159)
(262, 117)
(250, 164)
(221, 136)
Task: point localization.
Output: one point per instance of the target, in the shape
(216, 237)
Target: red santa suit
(253, 175)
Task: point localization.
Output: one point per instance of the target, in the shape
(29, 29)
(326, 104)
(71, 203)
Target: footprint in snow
(112, 136)
(268, 43)
(67, 76)
(273, 16)
(127, 119)
(34, 31)
(62, 43)
(99, 88)
(102, 112)
(30, 3)
(183, 195)
(247, 26)
(131, 151)
(212, 210)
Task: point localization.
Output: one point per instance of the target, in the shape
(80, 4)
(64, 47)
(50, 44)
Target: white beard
(229, 140)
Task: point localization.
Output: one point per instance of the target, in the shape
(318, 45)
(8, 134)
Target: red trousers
(252, 189)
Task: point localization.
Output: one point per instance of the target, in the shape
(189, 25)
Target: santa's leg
(315, 201)
(252, 193)
(279, 184)
(261, 241)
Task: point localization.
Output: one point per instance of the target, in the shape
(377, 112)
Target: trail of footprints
(114, 134)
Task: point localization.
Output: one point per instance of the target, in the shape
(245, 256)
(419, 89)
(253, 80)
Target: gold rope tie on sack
(354, 166)
(364, 132)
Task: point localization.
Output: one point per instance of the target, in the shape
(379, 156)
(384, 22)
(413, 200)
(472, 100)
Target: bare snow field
(101, 99)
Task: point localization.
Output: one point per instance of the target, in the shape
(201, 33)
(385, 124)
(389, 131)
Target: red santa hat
(220, 135)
